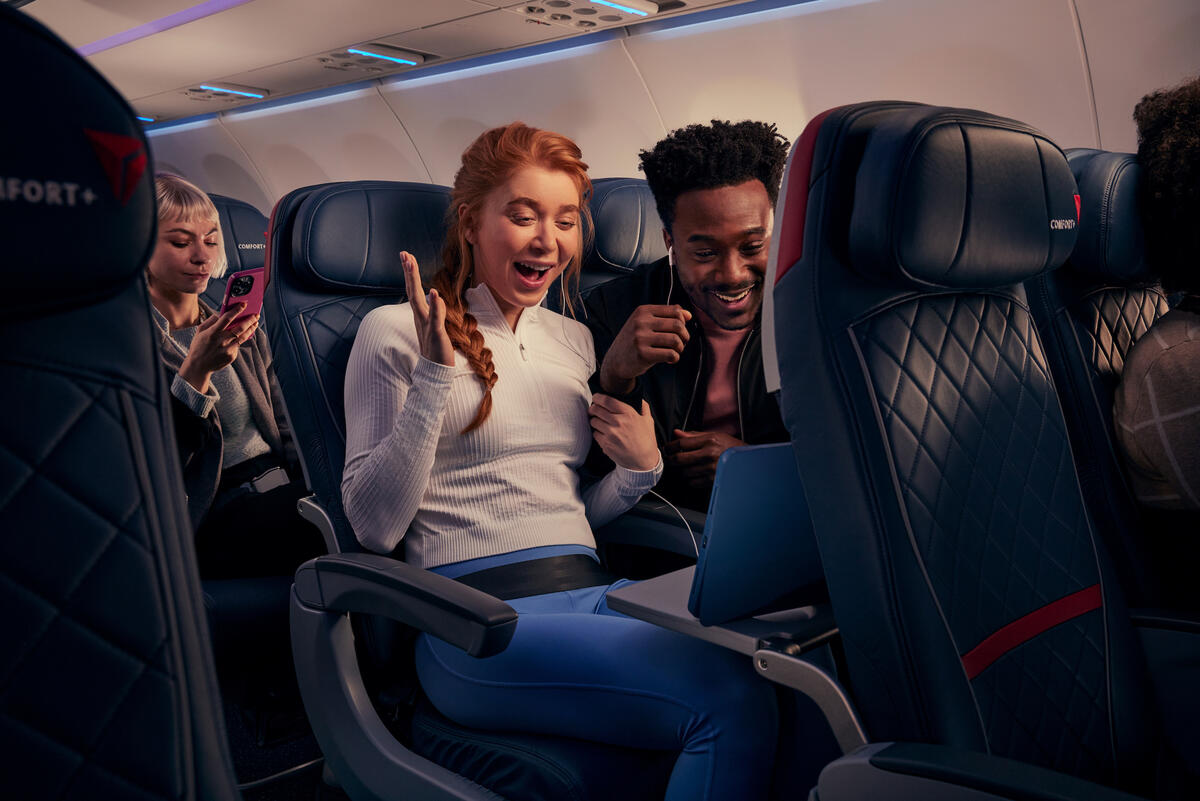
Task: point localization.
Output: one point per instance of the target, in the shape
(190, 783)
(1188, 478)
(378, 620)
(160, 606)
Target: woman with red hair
(467, 414)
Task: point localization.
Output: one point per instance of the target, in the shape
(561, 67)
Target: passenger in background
(1157, 407)
(683, 332)
(239, 462)
(467, 419)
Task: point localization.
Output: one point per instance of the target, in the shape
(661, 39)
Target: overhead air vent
(372, 59)
(225, 92)
(585, 15)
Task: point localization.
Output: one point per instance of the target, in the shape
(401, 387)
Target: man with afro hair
(1157, 408)
(683, 332)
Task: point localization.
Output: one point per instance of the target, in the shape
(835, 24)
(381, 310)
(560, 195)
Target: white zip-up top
(508, 485)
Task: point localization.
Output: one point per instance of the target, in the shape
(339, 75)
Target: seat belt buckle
(271, 479)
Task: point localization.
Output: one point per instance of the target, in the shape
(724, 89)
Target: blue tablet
(758, 543)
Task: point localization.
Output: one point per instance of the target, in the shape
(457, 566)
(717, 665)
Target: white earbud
(671, 255)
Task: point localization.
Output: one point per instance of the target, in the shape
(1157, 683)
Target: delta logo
(1067, 224)
(123, 159)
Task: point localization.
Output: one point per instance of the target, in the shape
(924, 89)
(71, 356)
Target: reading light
(411, 61)
(635, 7)
(227, 90)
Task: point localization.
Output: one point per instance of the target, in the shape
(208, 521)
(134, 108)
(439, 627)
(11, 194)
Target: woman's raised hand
(216, 344)
(625, 435)
(429, 313)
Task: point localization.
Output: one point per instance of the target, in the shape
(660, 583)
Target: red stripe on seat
(791, 230)
(1031, 625)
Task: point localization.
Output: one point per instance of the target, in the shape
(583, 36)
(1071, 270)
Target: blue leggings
(577, 669)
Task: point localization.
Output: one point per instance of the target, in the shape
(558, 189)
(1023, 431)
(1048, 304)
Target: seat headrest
(244, 229)
(958, 198)
(74, 166)
(1111, 240)
(627, 229)
(347, 236)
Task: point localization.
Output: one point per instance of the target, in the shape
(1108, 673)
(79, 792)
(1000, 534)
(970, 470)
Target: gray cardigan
(253, 368)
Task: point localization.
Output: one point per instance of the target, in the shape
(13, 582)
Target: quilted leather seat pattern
(980, 456)
(106, 683)
(1090, 313)
(86, 594)
(933, 448)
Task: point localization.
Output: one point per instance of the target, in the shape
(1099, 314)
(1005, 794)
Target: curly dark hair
(712, 156)
(1168, 123)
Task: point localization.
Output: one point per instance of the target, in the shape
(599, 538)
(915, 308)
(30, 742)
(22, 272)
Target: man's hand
(652, 335)
(695, 454)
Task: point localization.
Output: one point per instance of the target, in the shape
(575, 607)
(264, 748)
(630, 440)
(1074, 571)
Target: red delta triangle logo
(1078, 207)
(123, 159)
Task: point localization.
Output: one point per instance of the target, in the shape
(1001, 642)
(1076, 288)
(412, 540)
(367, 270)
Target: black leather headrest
(1111, 240)
(626, 225)
(347, 236)
(959, 198)
(76, 191)
(244, 229)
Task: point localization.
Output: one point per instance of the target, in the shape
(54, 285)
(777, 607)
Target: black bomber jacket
(676, 392)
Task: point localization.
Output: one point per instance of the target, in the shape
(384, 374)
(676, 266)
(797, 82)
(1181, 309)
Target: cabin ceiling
(292, 46)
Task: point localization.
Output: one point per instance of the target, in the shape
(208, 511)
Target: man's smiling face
(721, 237)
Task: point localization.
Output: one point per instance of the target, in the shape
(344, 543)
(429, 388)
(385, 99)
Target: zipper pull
(524, 355)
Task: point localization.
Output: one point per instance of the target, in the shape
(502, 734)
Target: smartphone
(245, 287)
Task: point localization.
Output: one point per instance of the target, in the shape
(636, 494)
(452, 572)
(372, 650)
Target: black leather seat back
(106, 683)
(625, 233)
(244, 231)
(1090, 313)
(976, 607)
(334, 256)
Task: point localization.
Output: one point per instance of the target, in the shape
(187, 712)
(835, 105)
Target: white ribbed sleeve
(510, 484)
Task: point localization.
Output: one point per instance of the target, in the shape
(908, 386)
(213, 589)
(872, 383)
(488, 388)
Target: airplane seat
(108, 687)
(244, 231)
(980, 620)
(1089, 314)
(333, 258)
(625, 233)
(239, 607)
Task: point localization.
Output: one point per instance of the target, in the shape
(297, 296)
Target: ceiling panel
(262, 33)
(274, 44)
(81, 23)
(482, 33)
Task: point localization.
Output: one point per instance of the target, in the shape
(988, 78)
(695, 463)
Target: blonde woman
(239, 461)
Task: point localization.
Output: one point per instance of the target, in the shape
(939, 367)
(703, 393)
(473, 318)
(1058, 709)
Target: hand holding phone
(245, 286)
(216, 344)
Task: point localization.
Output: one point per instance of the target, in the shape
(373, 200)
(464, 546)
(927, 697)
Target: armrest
(655, 524)
(379, 585)
(367, 759)
(778, 659)
(883, 771)
(313, 512)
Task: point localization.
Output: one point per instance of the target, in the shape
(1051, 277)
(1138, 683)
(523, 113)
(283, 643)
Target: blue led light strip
(620, 7)
(205, 9)
(377, 55)
(146, 119)
(230, 91)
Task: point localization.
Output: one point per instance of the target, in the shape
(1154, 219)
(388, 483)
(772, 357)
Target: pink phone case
(245, 287)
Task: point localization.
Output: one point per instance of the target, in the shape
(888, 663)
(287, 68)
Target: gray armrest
(655, 524)
(885, 771)
(366, 758)
(474, 621)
